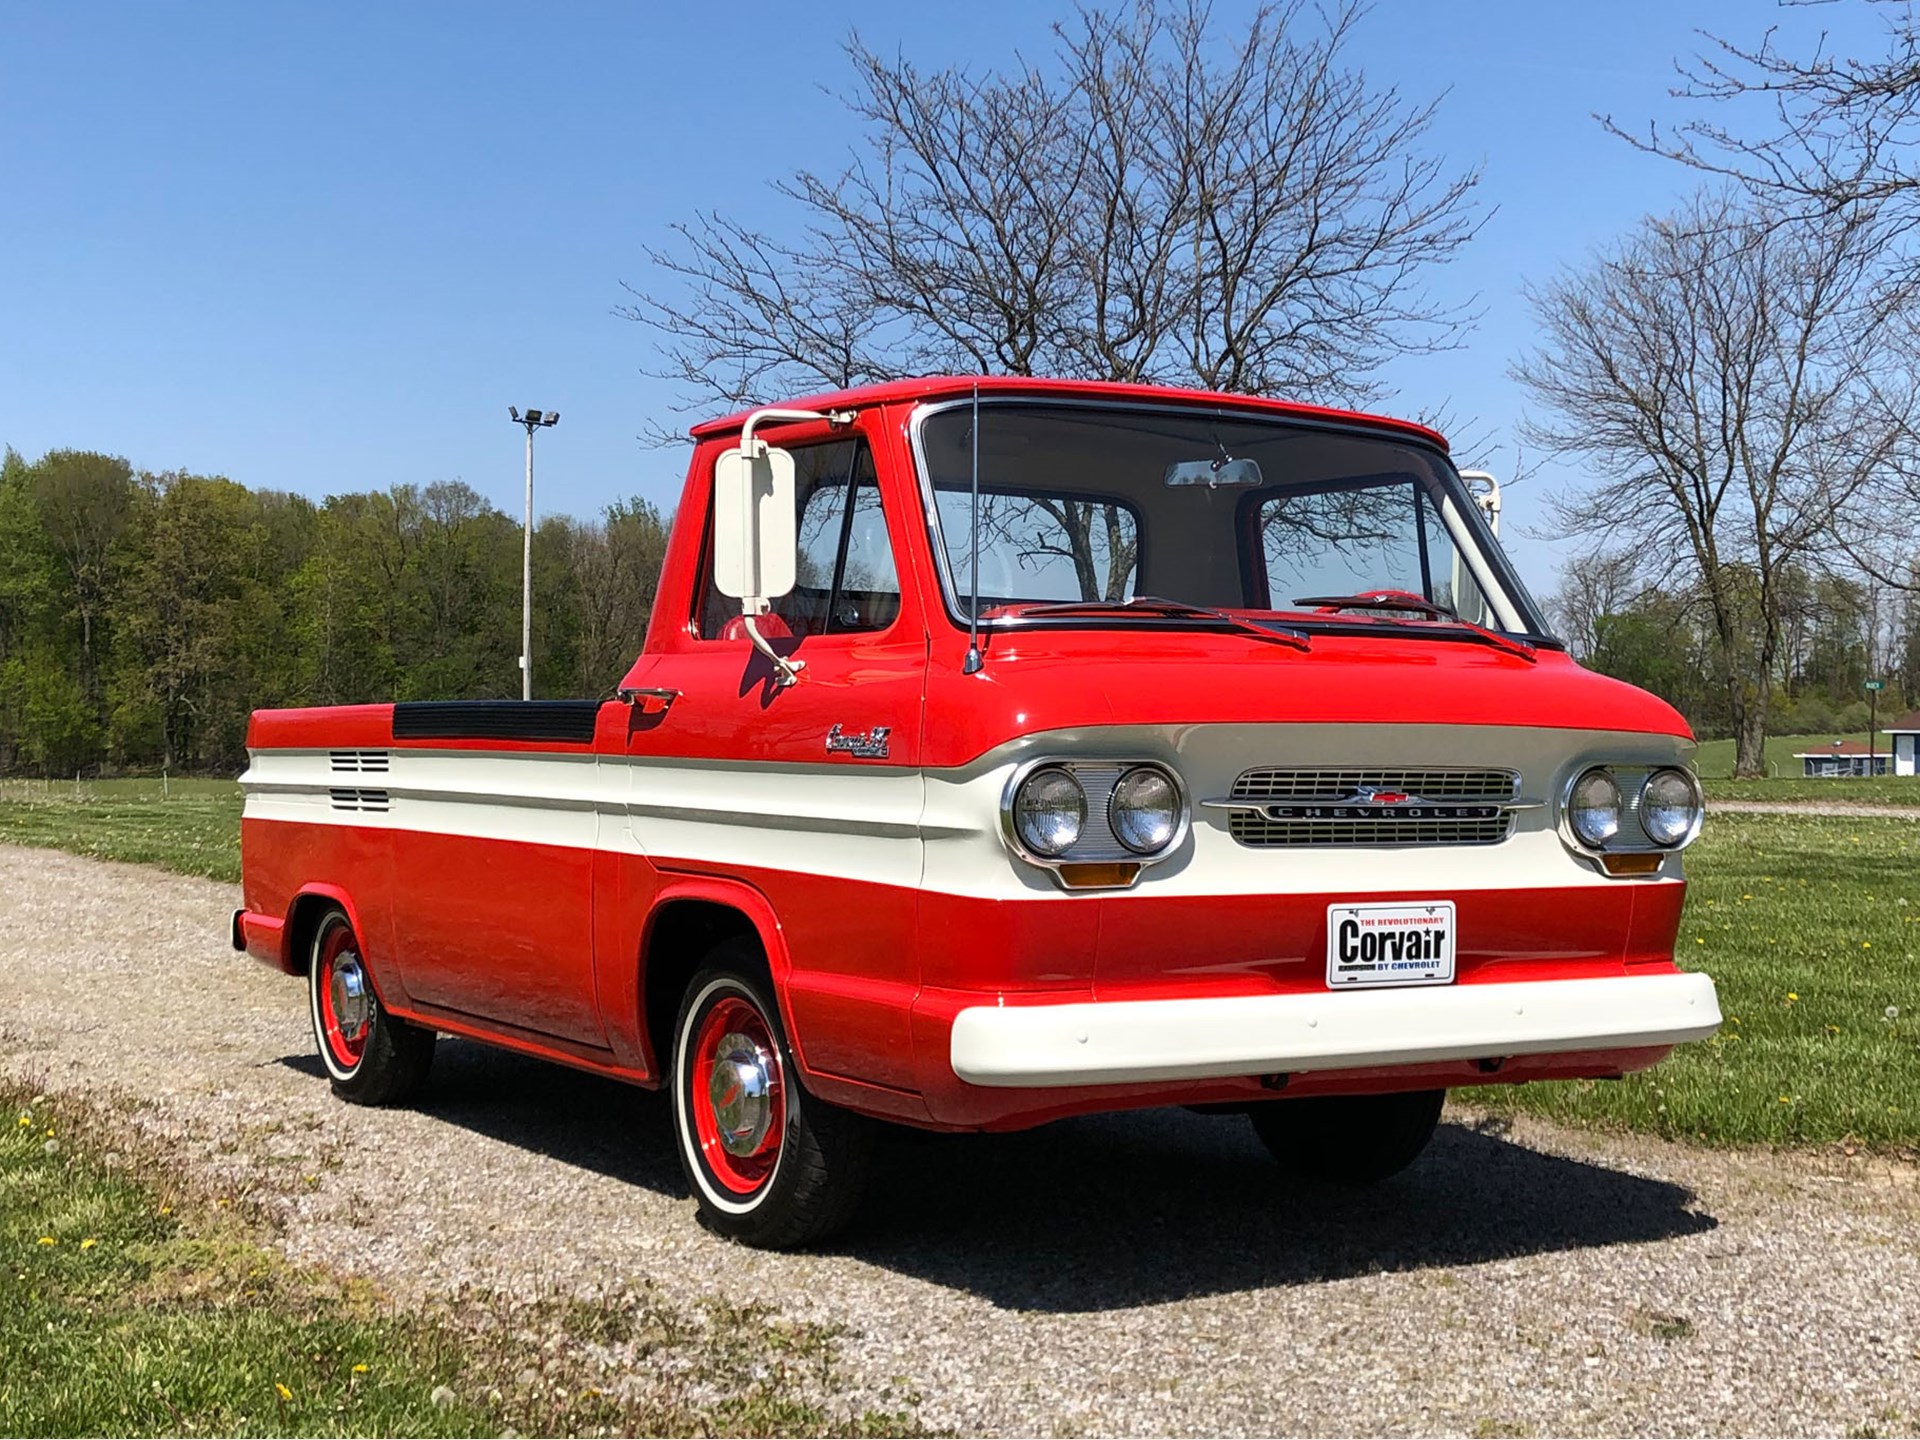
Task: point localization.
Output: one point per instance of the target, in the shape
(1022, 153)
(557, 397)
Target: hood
(1063, 679)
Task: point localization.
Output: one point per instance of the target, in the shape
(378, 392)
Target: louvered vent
(358, 762)
(368, 801)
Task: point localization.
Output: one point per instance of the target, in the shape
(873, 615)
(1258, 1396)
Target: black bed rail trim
(571, 721)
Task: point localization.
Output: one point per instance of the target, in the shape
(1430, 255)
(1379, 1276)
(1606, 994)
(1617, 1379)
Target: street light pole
(1874, 688)
(532, 420)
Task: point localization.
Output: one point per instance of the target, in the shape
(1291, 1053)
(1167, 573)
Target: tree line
(144, 615)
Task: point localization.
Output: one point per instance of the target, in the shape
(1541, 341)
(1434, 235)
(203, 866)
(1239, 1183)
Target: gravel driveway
(1143, 1273)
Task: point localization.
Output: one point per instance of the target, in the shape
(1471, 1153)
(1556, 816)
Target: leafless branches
(1154, 204)
(1723, 377)
(1832, 130)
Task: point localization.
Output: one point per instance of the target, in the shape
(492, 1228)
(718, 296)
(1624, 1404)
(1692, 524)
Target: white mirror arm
(788, 670)
(774, 413)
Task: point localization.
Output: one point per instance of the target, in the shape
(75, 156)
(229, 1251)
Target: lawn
(131, 1306)
(1811, 929)
(189, 826)
(1898, 790)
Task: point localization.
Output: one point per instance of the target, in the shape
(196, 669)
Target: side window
(845, 579)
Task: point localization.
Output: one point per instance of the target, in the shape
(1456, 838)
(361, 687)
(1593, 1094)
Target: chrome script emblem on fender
(862, 745)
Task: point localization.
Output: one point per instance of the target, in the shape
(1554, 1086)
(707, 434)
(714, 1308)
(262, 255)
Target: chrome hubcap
(352, 1000)
(741, 1093)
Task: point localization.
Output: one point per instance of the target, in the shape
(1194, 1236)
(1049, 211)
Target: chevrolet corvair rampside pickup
(1004, 750)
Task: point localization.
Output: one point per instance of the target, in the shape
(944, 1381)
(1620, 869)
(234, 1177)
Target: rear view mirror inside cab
(1215, 472)
(754, 536)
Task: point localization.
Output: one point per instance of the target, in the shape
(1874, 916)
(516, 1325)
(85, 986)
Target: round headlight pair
(1050, 810)
(1670, 808)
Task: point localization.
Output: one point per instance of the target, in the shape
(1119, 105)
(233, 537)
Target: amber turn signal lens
(1088, 876)
(1631, 864)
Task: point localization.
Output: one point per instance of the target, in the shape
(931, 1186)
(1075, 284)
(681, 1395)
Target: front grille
(1329, 806)
(1336, 783)
(1250, 827)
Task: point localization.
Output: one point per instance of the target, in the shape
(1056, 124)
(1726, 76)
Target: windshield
(1084, 505)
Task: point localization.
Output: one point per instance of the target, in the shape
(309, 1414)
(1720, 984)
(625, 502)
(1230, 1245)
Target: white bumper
(1115, 1042)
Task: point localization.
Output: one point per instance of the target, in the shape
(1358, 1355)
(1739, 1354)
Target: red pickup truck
(1004, 750)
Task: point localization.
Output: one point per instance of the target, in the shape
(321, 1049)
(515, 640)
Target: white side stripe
(939, 830)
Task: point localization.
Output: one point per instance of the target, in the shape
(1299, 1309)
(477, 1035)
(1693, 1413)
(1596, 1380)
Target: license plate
(1406, 944)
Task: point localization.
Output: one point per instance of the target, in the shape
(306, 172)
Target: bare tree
(1157, 203)
(1828, 130)
(1593, 587)
(1721, 375)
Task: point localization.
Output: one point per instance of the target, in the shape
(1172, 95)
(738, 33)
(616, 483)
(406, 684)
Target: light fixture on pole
(532, 420)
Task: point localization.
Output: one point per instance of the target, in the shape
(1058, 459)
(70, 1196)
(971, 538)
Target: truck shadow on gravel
(1109, 1211)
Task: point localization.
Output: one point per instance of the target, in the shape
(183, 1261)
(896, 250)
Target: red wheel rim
(737, 1095)
(343, 987)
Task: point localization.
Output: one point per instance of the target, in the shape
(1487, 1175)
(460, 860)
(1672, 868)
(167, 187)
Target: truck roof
(933, 387)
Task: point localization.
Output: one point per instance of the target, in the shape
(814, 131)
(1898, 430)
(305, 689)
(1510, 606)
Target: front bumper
(1131, 1041)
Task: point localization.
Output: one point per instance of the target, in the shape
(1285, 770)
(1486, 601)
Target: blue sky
(323, 248)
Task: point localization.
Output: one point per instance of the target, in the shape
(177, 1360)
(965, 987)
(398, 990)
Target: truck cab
(1002, 750)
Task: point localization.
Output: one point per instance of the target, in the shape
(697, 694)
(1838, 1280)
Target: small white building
(1903, 739)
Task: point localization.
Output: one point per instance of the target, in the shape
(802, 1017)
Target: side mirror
(755, 540)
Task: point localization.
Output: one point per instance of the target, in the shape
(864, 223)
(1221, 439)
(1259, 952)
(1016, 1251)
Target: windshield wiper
(1408, 603)
(1172, 609)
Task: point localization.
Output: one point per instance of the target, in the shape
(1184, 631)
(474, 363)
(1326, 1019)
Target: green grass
(132, 1305)
(188, 826)
(125, 1309)
(1900, 790)
(1811, 929)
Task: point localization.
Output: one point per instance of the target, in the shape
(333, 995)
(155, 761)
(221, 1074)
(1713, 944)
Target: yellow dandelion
(48, 1240)
(166, 1209)
(26, 1119)
(359, 1369)
(49, 1130)
(1786, 1099)
(284, 1393)
(1791, 997)
(88, 1243)
(1866, 944)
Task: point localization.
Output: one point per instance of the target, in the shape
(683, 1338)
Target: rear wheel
(372, 1057)
(768, 1164)
(1349, 1139)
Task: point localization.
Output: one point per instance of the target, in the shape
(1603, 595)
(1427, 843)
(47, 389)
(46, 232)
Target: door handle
(649, 702)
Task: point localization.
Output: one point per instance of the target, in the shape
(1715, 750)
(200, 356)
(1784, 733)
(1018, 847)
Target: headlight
(1670, 808)
(1593, 808)
(1145, 810)
(1050, 811)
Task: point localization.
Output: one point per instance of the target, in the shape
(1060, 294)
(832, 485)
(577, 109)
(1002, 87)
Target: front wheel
(1348, 1139)
(372, 1057)
(768, 1164)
